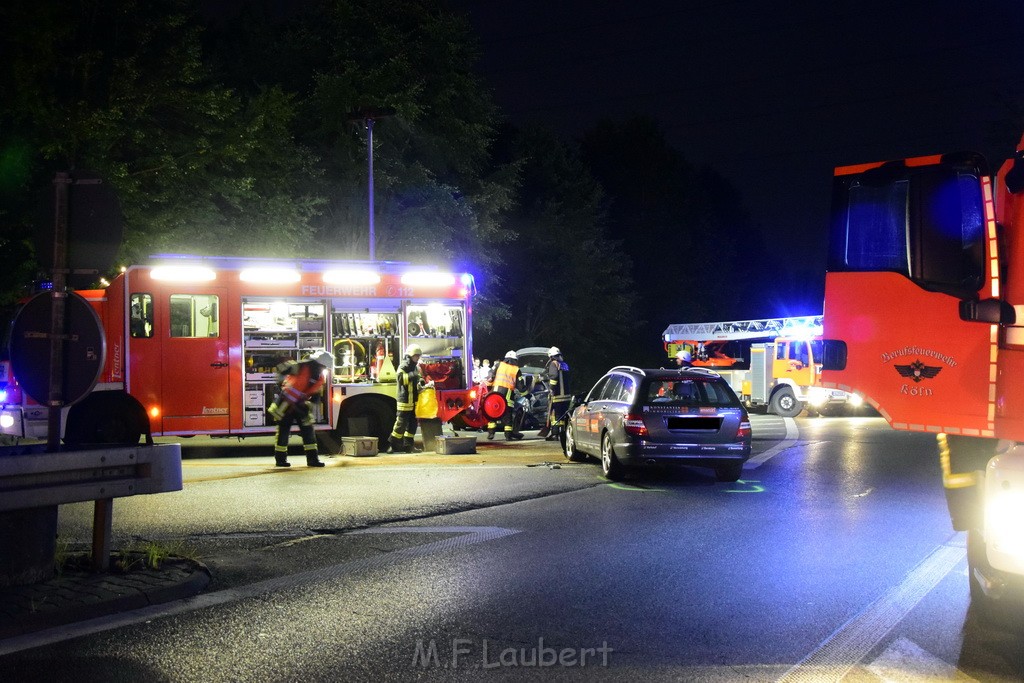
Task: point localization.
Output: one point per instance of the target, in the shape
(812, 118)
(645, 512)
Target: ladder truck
(924, 314)
(772, 363)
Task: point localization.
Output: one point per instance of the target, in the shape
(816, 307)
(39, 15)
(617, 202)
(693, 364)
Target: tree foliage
(571, 283)
(120, 87)
(693, 245)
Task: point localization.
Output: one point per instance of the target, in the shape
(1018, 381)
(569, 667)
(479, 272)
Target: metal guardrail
(45, 480)
(38, 480)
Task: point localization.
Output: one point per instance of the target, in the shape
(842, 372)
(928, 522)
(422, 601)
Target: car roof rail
(628, 368)
(702, 371)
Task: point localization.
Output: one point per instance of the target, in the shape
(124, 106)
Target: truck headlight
(817, 396)
(1004, 508)
(856, 400)
(1003, 530)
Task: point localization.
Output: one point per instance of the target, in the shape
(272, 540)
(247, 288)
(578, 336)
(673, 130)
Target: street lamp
(368, 115)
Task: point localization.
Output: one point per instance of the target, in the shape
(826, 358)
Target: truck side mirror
(833, 354)
(988, 311)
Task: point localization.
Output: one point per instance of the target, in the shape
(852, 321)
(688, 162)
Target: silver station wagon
(685, 416)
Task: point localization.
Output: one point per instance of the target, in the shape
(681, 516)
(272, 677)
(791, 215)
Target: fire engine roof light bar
(350, 276)
(269, 275)
(183, 273)
(428, 279)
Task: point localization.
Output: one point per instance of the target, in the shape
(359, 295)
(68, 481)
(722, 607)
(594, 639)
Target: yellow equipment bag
(426, 404)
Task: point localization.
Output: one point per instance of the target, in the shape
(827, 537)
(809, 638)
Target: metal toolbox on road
(359, 445)
(455, 445)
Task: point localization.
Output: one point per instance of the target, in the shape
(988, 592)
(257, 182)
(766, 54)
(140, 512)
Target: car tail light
(744, 430)
(634, 425)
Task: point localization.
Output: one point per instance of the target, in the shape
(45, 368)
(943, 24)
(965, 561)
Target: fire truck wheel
(105, 418)
(328, 442)
(784, 403)
(378, 415)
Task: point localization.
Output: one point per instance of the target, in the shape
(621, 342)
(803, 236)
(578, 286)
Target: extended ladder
(764, 328)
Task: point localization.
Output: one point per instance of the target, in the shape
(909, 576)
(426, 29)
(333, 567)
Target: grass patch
(151, 554)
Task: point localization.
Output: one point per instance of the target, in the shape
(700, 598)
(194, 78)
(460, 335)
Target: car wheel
(610, 465)
(729, 473)
(784, 403)
(569, 446)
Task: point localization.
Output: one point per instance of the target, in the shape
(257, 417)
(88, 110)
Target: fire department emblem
(918, 371)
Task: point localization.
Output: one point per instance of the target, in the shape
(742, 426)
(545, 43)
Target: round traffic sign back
(84, 348)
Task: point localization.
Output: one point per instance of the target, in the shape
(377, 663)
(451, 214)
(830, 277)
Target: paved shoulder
(770, 427)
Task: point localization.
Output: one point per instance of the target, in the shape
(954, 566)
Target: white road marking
(845, 648)
(904, 662)
(467, 536)
(792, 433)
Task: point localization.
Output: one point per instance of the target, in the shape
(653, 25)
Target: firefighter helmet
(554, 351)
(684, 356)
(511, 355)
(322, 357)
(413, 350)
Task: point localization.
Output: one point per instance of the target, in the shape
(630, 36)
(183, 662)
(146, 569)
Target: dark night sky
(772, 95)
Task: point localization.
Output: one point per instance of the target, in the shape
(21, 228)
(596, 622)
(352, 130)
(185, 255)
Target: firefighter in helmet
(506, 378)
(410, 382)
(684, 359)
(301, 382)
(556, 373)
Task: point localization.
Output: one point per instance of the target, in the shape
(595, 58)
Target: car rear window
(691, 391)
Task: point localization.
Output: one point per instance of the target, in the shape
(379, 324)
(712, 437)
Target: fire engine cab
(924, 314)
(191, 346)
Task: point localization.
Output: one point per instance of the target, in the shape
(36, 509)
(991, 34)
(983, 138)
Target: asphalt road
(832, 559)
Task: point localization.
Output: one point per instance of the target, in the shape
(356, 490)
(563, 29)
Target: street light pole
(369, 156)
(368, 115)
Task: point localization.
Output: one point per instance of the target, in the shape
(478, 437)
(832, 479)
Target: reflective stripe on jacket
(557, 371)
(408, 387)
(300, 386)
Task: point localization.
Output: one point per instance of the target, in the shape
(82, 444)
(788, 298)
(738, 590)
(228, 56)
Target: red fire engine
(924, 315)
(191, 345)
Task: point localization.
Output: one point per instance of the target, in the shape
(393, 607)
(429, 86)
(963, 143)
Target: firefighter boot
(396, 445)
(490, 431)
(553, 436)
(281, 457)
(409, 443)
(312, 460)
(508, 434)
(543, 431)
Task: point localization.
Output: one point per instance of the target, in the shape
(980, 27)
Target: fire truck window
(141, 316)
(951, 253)
(929, 226)
(195, 315)
(800, 353)
(439, 329)
(816, 351)
(876, 227)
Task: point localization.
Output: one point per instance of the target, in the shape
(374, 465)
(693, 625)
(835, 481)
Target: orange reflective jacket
(299, 387)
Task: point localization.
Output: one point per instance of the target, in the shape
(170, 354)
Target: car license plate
(703, 423)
